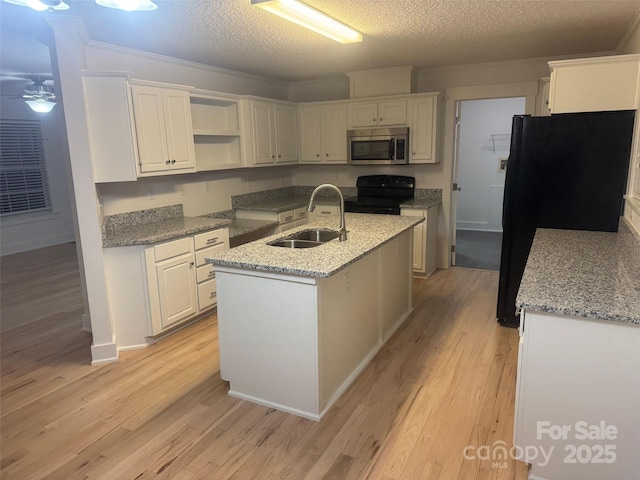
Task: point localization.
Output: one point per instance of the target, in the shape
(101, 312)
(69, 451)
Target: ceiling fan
(38, 94)
(40, 97)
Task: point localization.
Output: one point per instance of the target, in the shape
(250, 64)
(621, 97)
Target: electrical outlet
(248, 181)
(207, 187)
(151, 192)
(181, 190)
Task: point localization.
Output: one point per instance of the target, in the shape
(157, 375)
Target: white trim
(633, 26)
(105, 353)
(634, 57)
(522, 61)
(86, 323)
(33, 244)
(177, 61)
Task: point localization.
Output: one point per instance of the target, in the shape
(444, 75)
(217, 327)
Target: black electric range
(381, 194)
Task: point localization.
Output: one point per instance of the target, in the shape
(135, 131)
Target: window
(23, 178)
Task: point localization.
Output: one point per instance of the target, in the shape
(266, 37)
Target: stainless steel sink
(316, 235)
(310, 238)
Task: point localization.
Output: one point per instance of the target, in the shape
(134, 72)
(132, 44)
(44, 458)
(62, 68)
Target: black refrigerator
(566, 171)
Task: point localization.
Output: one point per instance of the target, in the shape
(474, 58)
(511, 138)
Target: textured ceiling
(425, 33)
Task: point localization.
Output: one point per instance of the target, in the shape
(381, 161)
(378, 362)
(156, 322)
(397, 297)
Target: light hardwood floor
(444, 381)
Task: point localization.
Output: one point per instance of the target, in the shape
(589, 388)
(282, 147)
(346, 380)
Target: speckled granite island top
(366, 232)
(584, 274)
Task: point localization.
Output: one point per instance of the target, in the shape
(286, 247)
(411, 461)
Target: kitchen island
(296, 326)
(578, 384)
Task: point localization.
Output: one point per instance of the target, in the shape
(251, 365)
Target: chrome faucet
(311, 207)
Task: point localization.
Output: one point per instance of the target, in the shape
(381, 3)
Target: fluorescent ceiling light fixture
(129, 5)
(308, 17)
(40, 105)
(41, 5)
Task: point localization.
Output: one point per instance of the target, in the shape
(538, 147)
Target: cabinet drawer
(205, 272)
(172, 249)
(207, 252)
(207, 294)
(326, 210)
(285, 217)
(208, 239)
(300, 213)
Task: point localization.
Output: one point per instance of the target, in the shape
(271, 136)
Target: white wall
(27, 232)
(159, 68)
(479, 205)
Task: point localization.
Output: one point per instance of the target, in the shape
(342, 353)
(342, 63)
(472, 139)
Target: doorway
(483, 140)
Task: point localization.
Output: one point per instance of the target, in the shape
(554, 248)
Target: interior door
(456, 187)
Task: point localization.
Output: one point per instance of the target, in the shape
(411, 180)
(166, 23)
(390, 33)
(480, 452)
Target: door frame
(529, 90)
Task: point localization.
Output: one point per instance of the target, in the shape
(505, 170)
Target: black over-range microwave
(378, 146)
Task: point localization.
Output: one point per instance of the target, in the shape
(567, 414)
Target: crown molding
(185, 63)
(633, 26)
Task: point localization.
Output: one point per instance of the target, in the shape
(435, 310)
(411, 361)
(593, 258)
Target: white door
(456, 187)
(482, 147)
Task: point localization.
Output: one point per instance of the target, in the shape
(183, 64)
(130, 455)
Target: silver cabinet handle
(317, 154)
(212, 240)
(380, 119)
(279, 156)
(191, 264)
(212, 295)
(326, 154)
(168, 162)
(373, 119)
(172, 162)
(212, 274)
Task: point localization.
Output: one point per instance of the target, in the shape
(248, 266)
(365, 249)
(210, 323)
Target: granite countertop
(365, 233)
(160, 231)
(421, 203)
(584, 274)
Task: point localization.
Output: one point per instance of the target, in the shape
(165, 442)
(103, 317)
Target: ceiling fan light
(40, 105)
(40, 6)
(308, 17)
(129, 5)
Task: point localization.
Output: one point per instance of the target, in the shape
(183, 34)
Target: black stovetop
(381, 194)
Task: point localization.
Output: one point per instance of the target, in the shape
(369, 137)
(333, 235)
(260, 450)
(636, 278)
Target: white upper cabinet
(274, 132)
(163, 129)
(424, 128)
(377, 114)
(595, 84)
(323, 133)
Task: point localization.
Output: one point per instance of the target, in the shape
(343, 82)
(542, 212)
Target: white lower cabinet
(174, 279)
(153, 289)
(425, 238)
(577, 397)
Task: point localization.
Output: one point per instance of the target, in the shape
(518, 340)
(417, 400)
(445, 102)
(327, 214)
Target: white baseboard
(105, 353)
(35, 243)
(86, 323)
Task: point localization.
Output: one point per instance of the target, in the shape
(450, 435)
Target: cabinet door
(176, 289)
(393, 112)
(334, 128)
(594, 85)
(150, 128)
(423, 130)
(179, 130)
(263, 133)
(419, 241)
(310, 134)
(363, 114)
(287, 133)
